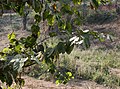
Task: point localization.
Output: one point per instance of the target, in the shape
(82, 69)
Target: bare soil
(32, 83)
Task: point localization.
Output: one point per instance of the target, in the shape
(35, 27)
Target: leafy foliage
(24, 52)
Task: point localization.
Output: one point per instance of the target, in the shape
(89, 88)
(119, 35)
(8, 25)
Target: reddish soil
(31, 83)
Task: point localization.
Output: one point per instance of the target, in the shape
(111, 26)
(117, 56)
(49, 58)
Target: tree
(26, 12)
(62, 15)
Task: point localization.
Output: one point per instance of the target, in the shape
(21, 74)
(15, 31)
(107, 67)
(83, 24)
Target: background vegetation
(54, 30)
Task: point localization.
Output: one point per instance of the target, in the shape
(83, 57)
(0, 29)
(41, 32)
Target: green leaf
(23, 40)
(35, 29)
(69, 47)
(50, 52)
(37, 6)
(2, 77)
(77, 21)
(11, 36)
(13, 42)
(30, 41)
(52, 34)
(86, 40)
(51, 20)
(39, 48)
(62, 24)
(18, 63)
(18, 48)
(68, 27)
(69, 74)
(45, 14)
(51, 68)
(58, 82)
(66, 9)
(96, 3)
(37, 18)
(6, 50)
(9, 79)
(101, 37)
(77, 2)
(20, 81)
(61, 47)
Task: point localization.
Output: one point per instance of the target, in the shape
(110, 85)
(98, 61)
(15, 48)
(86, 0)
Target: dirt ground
(31, 83)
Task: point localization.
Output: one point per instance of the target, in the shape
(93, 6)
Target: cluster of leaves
(26, 51)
